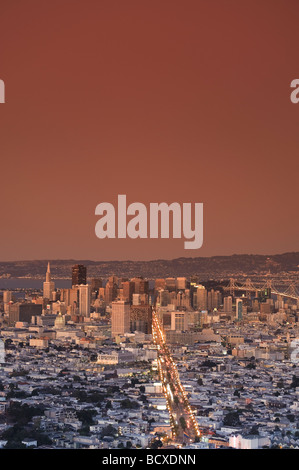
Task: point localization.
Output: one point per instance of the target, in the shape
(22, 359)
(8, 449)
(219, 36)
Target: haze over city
(159, 101)
(120, 331)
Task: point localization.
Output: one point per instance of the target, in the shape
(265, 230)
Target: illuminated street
(182, 420)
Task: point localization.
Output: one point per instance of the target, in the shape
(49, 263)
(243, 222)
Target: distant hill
(203, 266)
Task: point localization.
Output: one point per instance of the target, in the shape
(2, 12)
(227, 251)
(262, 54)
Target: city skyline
(132, 364)
(93, 260)
(149, 259)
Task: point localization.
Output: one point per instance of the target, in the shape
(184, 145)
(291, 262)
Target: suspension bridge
(249, 287)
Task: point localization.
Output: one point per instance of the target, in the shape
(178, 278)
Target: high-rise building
(7, 299)
(111, 289)
(7, 296)
(239, 309)
(228, 304)
(179, 321)
(160, 284)
(181, 283)
(95, 284)
(136, 299)
(201, 298)
(163, 298)
(84, 300)
(128, 290)
(141, 318)
(78, 275)
(120, 318)
(48, 286)
(264, 294)
(183, 299)
(23, 312)
(140, 285)
(170, 283)
(101, 293)
(70, 297)
(214, 299)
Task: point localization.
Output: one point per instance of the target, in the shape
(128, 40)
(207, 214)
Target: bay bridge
(291, 292)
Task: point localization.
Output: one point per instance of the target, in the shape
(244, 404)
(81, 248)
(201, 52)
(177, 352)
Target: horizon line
(149, 260)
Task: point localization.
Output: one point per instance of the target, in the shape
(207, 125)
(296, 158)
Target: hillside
(215, 265)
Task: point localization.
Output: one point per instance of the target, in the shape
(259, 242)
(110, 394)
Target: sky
(164, 101)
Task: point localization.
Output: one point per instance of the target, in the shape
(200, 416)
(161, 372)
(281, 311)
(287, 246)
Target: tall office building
(120, 318)
(48, 286)
(128, 290)
(141, 318)
(78, 275)
(228, 304)
(179, 321)
(170, 283)
(202, 298)
(160, 284)
(239, 309)
(7, 296)
(96, 284)
(7, 299)
(84, 300)
(140, 285)
(163, 298)
(183, 299)
(181, 283)
(23, 312)
(111, 289)
(214, 299)
(69, 296)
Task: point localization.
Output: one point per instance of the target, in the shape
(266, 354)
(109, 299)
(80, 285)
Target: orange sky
(185, 101)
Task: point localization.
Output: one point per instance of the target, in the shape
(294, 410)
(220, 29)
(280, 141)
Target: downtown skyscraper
(78, 274)
(48, 285)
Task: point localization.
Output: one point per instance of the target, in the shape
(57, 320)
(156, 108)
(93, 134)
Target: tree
(16, 434)
(130, 404)
(254, 430)
(108, 405)
(108, 431)
(156, 444)
(22, 414)
(291, 418)
(14, 445)
(231, 419)
(84, 431)
(209, 364)
(295, 382)
(250, 366)
(280, 383)
(86, 415)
